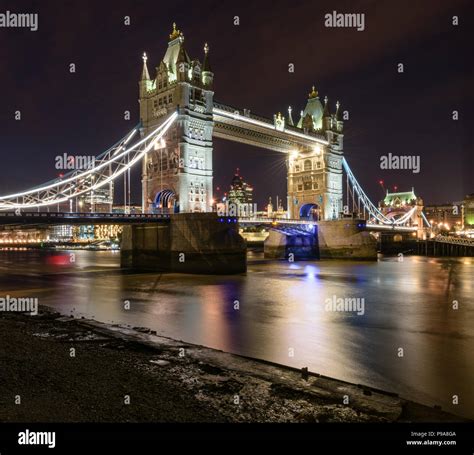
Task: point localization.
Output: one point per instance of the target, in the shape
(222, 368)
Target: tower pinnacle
(290, 117)
(145, 73)
(326, 112)
(175, 33)
(338, 111)
(206, 67)
(314, 93)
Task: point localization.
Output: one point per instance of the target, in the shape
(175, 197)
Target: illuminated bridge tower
(315, 175)
(177, 175)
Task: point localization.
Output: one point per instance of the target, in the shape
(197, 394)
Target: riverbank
(61, 369)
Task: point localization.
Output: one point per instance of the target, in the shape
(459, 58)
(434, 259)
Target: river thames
(407, 337)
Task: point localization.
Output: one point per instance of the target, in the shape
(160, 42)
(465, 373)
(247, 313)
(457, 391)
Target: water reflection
(278, 312)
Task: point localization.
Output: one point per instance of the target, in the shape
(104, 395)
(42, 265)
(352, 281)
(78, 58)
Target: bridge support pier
(336, 239)
(346, 239)
(190, 243)
(291, 245)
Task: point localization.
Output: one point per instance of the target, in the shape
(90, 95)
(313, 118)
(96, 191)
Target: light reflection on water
(281, 310)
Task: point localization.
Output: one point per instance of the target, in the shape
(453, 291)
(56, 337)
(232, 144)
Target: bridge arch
(310, 211)
(165, 200)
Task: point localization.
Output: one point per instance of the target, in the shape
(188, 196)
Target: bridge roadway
(60, 218)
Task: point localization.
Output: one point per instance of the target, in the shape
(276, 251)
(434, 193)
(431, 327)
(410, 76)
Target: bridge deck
(60, 218)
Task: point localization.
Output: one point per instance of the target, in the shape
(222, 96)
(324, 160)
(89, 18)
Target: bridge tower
(315, 175)
(396, 205)
(177, 175)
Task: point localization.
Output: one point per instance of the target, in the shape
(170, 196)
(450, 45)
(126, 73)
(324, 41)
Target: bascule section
(177, 174)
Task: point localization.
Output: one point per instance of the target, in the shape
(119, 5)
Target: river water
(406, 337)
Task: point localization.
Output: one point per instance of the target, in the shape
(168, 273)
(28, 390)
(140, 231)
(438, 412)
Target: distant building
(468, 204)
(240, 192)
(134, 208)
(60, 233)
(446, 216)
(397, 200)
(405, 207)
(94, 232)
(99, 201)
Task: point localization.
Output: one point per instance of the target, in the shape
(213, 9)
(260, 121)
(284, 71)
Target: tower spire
(145, 73)
(207, 74)
(290, 117)
(206, 64)
(326, 112)
(338, 111)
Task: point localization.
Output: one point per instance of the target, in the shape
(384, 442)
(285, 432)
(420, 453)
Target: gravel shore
(60, 369)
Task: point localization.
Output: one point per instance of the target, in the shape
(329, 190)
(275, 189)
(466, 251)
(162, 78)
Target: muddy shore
(60, 369)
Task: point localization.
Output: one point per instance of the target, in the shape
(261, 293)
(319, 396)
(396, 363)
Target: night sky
(409, 113)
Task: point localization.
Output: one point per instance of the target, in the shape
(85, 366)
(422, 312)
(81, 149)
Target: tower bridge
(174, 144)
(182, 166)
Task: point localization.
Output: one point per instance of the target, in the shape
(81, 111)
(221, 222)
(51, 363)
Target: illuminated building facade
(23, 236)
(100, 201)
(240, 192)
(93, 232)
(445, 216)
(468, 208)
(61, 233)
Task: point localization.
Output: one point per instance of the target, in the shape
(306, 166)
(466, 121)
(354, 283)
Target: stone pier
(346, 239)
(338, 239)
(189, 243)
(281, 244)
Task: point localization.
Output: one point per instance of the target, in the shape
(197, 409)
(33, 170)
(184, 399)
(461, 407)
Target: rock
(160, 362)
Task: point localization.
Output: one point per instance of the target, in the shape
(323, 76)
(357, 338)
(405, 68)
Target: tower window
(307, 165)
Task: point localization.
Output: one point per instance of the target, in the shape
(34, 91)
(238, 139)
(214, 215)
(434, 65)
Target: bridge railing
(453, 240)
(74, 215)
(275, 221)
